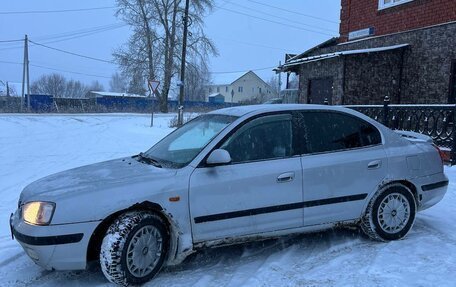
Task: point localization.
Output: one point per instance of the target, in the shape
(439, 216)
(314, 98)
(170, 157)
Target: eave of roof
(306, 60)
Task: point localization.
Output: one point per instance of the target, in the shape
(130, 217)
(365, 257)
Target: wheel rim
(393, 213)
(144, 251)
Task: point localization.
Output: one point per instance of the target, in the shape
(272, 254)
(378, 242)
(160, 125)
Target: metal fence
(436, 121)
(107, 104)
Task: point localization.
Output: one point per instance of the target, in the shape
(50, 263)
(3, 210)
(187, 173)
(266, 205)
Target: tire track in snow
(11, 259)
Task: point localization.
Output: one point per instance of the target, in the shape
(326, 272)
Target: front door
(320, 90)
(259, 191)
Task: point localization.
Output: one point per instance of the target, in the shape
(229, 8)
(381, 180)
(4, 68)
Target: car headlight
(38, 212)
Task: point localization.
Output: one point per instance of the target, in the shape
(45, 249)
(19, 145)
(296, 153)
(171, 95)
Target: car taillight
(441, 153)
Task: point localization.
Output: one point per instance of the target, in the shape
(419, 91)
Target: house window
(210, 90)
(218, 89)
(226, 89)
(383, 4)
(240, 89)
(259, 90)
(452, 95)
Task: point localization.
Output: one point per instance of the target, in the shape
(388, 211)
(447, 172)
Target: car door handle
(285, 177)
(374, 164)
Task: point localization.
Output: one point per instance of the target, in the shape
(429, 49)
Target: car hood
(99, 176)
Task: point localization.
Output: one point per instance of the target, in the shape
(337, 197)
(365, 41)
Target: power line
(283, 18)
(229, 40)
(56, 69)
(11, 41)
(71, 35)
(273, 21)
(294, 12)
(56, 11)
(74, 54)
(9, 62)
(82, 31)
(240, 71)
(71, 72)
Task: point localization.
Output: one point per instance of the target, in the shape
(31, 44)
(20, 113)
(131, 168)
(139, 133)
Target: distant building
(216, 98)
(403, 49)
(239, 87)
(96, 94)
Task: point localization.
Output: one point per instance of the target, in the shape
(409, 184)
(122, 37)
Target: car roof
(240, 111)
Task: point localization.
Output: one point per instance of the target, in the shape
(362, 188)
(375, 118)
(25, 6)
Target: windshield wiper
(148, 160)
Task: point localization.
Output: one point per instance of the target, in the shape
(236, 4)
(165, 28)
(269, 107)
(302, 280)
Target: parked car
(274, 101)
(229, 176)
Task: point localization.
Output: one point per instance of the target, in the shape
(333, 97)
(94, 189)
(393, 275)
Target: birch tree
(154, 48)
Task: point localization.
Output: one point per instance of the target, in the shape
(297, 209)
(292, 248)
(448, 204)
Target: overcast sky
(249, 35)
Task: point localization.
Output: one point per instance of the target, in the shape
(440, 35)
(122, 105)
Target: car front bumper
(54, 247)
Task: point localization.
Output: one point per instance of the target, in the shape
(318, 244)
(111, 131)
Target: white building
(240, 87)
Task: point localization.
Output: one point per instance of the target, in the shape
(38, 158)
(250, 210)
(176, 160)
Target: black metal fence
(436, 121)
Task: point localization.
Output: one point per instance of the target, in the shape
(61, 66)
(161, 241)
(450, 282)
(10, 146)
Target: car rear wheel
(390, 214)
(134, 248)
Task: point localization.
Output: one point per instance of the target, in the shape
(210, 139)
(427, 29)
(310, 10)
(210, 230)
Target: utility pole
(25, 74)
(180, 115)
(280, 80)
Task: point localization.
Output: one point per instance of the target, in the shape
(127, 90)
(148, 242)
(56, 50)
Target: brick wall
(362, 14)
(332, 68)
(368, 78)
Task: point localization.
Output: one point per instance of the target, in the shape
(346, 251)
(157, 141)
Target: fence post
(453, 138)
(386, 102)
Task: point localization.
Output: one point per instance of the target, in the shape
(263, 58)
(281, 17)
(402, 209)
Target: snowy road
(32, 146)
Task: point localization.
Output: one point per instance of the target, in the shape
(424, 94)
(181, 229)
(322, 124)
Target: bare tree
(53, 84)
(196, 79)
(75, 89)
(137, 84)
(154, 48)
(273, 82)
(118, 83)
(96, 86)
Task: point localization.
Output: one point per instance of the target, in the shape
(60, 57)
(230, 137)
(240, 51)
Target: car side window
(268, 137)
(332, 131)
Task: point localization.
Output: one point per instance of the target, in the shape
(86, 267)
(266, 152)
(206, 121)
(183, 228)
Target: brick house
(404, 49)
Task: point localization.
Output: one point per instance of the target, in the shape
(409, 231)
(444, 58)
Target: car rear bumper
(431, 190)
(54, 247)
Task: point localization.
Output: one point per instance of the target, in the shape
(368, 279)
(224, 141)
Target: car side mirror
(218, 157)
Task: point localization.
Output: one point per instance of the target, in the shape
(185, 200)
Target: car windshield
(181, 146)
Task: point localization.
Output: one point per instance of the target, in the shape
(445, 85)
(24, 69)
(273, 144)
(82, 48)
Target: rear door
(343, 162)
(260, 191)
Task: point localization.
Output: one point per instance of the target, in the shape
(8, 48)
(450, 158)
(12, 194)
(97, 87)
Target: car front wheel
(390, 214)
(134, 248)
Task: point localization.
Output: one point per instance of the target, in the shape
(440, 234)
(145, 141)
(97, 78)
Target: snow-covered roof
(340, 53)
(226, 79)
(214, 95)
(112, 94)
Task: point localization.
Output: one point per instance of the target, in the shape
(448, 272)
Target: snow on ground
(32, 146)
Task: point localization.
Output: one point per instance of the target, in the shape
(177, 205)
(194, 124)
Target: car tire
(390, 214)
(134, 248)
